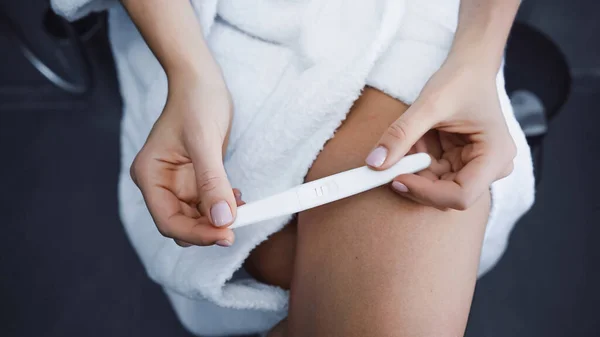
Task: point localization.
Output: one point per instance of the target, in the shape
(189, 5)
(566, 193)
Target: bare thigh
(377, 264)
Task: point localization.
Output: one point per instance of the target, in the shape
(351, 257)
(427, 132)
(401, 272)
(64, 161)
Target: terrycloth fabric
(294, 68)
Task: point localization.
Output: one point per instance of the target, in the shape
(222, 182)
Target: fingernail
(221, 214)
(400, 187)
(377, 156)
(223, 243)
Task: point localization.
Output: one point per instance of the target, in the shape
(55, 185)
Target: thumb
(215, 195)
(399, 137)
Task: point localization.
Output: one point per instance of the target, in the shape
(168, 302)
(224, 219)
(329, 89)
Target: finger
(402, 190)
(183, 184)
(238, 197)
(199, 232)
(173, 223)
(438, 193)
(433, 144)
(217, 200)
(439, 167)
(399, 137)
(189, 210)
(460, 193)
(137, 166)
(428, 174)
(238, 200)
(182, 243)
(420, 145)
(448, 176)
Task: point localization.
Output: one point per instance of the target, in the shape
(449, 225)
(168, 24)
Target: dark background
(68, 270)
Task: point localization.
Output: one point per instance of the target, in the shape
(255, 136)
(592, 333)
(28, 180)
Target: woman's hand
(180, 168)
(458, 107)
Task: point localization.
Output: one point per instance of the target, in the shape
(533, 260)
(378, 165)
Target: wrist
(197, 77)
(482, 33)
(456, 78)
(193, 67)
(478, 59)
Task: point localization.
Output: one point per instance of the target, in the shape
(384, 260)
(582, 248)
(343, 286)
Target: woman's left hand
(459, 106)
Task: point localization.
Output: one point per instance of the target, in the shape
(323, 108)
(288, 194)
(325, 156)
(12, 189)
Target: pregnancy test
(326, 190)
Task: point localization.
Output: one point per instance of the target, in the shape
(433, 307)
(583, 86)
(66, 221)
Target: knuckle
(460, 205)
(181, 244)
(462, 202)
(165, 231)
(136, 170)
(133, 170)
(397, 130)
(209, 181)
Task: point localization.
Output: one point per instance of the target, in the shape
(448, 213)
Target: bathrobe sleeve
(420, 47)
(72, 10)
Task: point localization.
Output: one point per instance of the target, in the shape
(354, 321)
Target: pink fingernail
(377, 156)
(223, 243)
(400, 187)
(221, 214)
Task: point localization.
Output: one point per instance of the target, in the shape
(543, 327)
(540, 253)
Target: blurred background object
(68, 269)
(538, 82)
(52, 45)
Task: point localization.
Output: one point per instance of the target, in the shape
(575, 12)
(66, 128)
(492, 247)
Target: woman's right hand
(180, 167)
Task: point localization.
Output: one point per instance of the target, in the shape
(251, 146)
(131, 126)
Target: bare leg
(280, 330)
(377, 264)
(272, 262)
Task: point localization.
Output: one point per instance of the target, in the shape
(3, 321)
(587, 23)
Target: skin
(373, 264)
(180, 170)
(180, 167)
(461, 102)
(412, 276)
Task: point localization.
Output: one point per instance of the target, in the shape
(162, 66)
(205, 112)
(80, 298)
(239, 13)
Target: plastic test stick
(326, 190)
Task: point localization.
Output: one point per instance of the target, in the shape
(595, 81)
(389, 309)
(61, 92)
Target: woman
(249, 94)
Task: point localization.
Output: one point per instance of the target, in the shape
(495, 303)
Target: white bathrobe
(294, 68)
